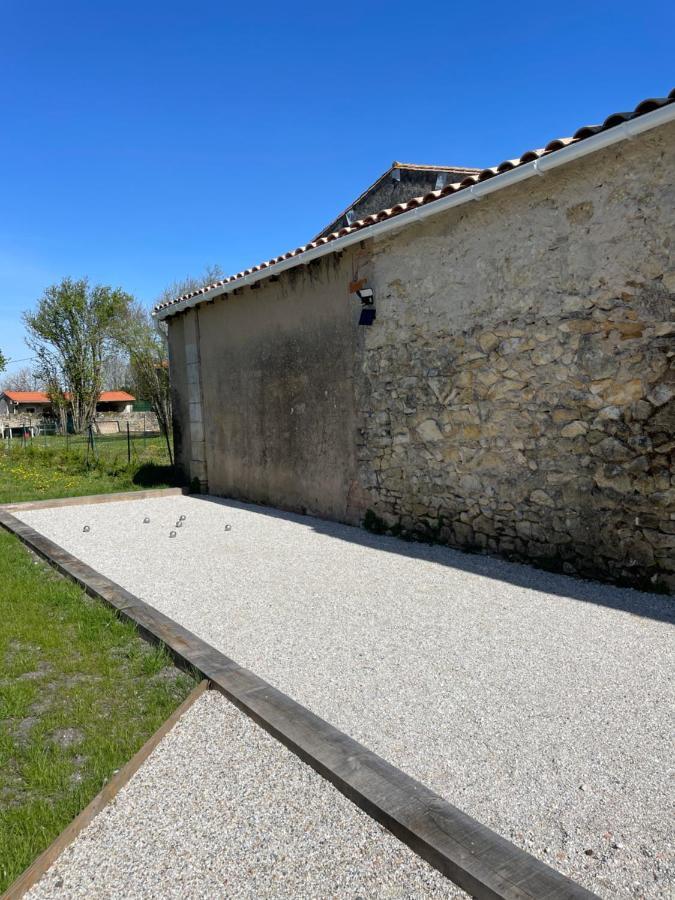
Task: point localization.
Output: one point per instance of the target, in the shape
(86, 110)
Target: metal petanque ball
(86, 528)
(181, 518)
(179, 524)
(228, 528)
(146, 520)
(172, 534)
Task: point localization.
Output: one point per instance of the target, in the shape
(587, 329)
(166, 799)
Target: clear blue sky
(141, 140)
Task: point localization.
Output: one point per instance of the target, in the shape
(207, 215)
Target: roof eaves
(470, 181)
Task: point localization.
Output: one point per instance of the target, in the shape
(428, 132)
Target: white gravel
(221, 809)
(540, 704)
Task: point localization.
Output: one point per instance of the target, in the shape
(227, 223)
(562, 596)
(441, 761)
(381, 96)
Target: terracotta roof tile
(473, 176)
(27, 396)
(41, 396)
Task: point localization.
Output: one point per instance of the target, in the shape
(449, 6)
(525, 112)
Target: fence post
(128, 445)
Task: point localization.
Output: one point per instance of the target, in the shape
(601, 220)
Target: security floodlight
(366, 296)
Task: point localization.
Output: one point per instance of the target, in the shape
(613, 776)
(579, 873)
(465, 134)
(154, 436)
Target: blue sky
(141, 141)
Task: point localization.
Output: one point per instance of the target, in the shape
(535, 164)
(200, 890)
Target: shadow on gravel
(649, 605)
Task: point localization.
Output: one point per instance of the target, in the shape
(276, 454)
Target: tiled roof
(116, 397)
(425, 167)
(41, 397)
(646, 106)
(27, 396)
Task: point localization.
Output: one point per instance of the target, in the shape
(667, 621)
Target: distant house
(37, 403)
(29, 403)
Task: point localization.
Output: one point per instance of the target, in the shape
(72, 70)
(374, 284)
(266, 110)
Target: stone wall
(137, 420)
(517, 394)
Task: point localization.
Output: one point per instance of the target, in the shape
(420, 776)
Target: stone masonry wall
(516, 393)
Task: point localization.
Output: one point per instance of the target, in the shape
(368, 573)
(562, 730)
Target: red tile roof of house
(41, 397)
(27, 396)
(116, 397)
(646, 106)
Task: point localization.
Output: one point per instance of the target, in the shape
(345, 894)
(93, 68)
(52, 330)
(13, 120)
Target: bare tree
(116, 372)
(3, 362)
(71, 332)
(190, 283)
(24, 379)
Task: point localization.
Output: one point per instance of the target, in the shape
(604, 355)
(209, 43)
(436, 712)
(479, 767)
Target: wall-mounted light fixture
(367, 297)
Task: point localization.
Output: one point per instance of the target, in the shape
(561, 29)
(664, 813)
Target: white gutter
(625, 131)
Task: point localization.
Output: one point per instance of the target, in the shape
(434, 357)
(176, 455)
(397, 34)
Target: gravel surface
(540, 704)
(221, 809)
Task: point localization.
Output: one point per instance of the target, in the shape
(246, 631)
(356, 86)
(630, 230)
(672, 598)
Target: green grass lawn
(64, 468)
(80, 691)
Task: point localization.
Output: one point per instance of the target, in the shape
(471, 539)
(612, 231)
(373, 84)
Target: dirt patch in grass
(80, 692)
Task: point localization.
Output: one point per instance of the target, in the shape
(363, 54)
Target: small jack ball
(172, 534)
(86, 528)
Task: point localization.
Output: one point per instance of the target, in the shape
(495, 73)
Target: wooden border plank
(38, 867)
(479, 860)
(95, 498)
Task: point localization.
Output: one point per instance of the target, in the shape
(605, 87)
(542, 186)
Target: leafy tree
(71, 332)
(145, 341)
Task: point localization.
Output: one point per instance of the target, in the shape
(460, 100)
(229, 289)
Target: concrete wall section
(278, 391)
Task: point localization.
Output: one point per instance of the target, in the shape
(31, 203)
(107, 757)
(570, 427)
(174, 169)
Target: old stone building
(32, 411)
(515, 393)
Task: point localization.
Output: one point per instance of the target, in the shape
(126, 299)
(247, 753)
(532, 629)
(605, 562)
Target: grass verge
(36, 472)
(80, 692)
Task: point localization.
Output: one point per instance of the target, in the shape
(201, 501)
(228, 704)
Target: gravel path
(540, 704)
(221, 809)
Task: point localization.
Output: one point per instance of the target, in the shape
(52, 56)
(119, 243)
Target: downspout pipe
(625, 131)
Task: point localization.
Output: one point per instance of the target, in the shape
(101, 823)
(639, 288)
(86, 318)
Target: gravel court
(524, 698)
(221, 809)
